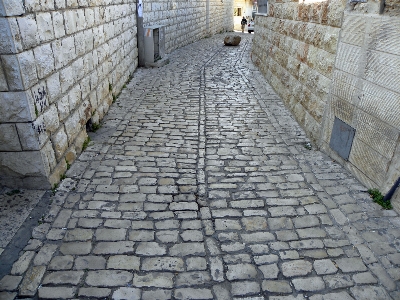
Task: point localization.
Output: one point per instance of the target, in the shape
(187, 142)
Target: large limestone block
(45, 26)
(3, 81)
(44, 60)
(21, 164)
(335, 12)
(51, 120)
(28, 29)
(11, 8)
(16, 107)
(27, 65)
(72, 126)
(58, 24)
(12, 72)
(9, 140)
(28, 136)
(60, 143)
(372, 163)
(6, 42)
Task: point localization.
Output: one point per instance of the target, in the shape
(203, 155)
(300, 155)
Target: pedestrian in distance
(243, 23)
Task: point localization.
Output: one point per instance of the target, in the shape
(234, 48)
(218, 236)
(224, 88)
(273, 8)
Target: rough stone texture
(374, 156)
(320, 78)
(208, 125)
(232, 40)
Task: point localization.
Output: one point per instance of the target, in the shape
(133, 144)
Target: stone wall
(295, 48)
(331, 60)
(61, 63)
(365, 94)
(188, 21)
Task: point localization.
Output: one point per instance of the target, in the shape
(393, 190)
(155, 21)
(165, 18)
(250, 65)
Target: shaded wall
(188, 21)
(331, 60)
(61, 63)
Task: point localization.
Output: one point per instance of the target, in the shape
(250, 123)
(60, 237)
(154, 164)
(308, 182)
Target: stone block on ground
(232, 40)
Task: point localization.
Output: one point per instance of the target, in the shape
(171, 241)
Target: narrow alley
(199, 184)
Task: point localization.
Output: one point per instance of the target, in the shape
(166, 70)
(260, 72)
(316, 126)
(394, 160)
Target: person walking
(243, 23)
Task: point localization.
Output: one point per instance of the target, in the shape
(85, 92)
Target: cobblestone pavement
(198, 185)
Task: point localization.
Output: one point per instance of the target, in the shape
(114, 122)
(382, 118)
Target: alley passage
(198, 185)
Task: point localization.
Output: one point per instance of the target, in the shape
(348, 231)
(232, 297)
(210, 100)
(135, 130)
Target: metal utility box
(154, 43)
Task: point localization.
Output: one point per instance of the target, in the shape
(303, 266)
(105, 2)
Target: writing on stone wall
(40, 98)
(39, 127)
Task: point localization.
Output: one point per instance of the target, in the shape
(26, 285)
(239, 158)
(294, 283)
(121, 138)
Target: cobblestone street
(200, 185)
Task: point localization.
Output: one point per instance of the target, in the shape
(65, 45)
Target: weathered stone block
(60, 143)
(11, 8)
(72, 126)
(12, 72)
(44, 60)
(27, 67)
(45, 26)
(9, 140)
(19, 164)
(28, 29)
(231, 40)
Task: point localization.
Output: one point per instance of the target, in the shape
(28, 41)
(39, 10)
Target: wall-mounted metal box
(154, 43)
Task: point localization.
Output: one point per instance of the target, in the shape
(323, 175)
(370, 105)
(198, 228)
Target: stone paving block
(159, 280)
(306, 221)
(217, 269)
(364, 278)
(187, 279)
(221, 292)
(191, 293)
(289, 254)
(78, 234)
(22, 264)
(123, 262)
(121, 247)
(353, 264)
(296, 268)
(104, 234)
(282, 211)
(369, 292)
(269, 271)
(185, 249)
(45, 254)
(324, 266)
(332, 296)
(76, 248)
(31, 281)
(338, 281)
(223, 224)
(150, 249)
(10, 283)
(383, 277)
(163, 264)
(276, 286)
(141, 235)
(158, 294)
(257, 237)
(126, 293)
(196, 263)
(63, 277)
(94, 292)
(192, 236)
(241, 271)
(8, 295)
(243, 288)
(57, 292)
(265, 259)
(310, 284)
(280, 223)
(108, 278)
(61, 262)
(307, 244)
